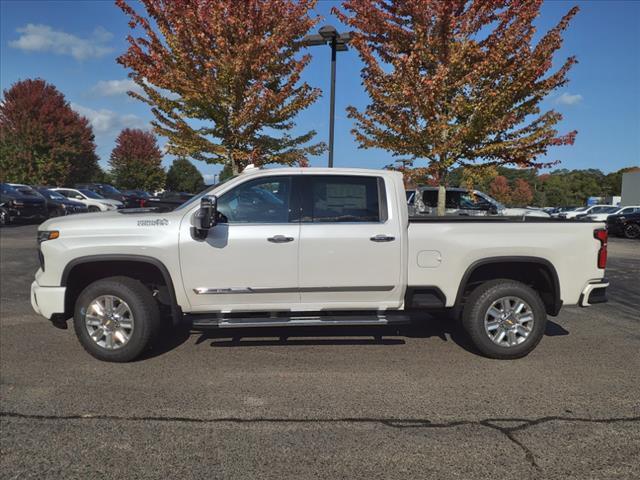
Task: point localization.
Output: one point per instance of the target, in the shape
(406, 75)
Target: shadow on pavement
(389, 335)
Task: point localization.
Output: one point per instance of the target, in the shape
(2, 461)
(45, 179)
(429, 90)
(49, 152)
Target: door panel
(249, 261)
(237, 267)
(354, 263)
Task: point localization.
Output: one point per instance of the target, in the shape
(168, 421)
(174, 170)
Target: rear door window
(344, 198)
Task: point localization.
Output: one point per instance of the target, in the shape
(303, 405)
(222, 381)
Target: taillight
(143, 202)
(602, 235)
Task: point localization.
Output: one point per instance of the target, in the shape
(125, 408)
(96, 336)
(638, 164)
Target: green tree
(183, 176)
(136, 161)
(457, 82)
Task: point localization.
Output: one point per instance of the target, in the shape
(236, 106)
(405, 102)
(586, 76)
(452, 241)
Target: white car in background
(602, 216)
(583, 211)
(93, 201)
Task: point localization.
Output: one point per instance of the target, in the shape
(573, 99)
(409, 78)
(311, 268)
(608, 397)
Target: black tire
(93, 209)
(632, 231)
(144, 308)
(477, 306)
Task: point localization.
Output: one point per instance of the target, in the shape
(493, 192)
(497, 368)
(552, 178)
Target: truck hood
(117, 220)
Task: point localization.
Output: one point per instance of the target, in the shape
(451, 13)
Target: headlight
(44, 235)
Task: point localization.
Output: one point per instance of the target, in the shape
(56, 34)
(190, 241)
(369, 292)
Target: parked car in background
(135, 198)
(461, 201)
(104, 190)
(573, 214)
(58, 204)
(603, 215)
(558, 210)
(18, 206)
(627, 225)
(602, 210)
(93, 201)
(168, 200)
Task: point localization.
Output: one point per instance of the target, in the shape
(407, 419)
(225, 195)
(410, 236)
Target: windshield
(53, 195)
(580, 209)
(28, 191)
(7, 188)
(110, 189)
(90, 194)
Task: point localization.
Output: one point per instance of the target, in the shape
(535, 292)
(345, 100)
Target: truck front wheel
(116, 319)
(504, 319)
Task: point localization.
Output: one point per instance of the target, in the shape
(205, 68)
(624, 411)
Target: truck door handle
(280, 239)
(382, 238)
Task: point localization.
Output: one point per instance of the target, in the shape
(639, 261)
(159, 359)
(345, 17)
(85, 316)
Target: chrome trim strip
(239, 290)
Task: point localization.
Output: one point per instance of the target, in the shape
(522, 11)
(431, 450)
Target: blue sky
(73, 44)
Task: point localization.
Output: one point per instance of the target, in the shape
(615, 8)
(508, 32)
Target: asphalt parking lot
(337, 403)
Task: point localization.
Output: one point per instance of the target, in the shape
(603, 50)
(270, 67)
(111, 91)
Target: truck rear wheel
(504, 319)
(116, 319)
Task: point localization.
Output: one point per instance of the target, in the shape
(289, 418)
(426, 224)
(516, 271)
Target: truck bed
(487, 218)
(442, 249)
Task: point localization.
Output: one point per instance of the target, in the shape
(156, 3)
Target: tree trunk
(442, 190)
(442, 197)
(232, 162)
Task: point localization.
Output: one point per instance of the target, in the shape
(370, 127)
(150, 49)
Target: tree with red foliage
(457, 82)
(232, 68)
(500, 190)
(42, 140)
(136, 161)
(521, 195)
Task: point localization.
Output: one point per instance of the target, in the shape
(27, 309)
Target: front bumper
(28, 213)
(47, 301)
(594, 292)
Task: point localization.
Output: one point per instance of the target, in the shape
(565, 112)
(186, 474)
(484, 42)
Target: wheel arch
(81, 271)
(535, 271)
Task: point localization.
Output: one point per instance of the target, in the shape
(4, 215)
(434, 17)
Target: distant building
(631, 188)
(615, 200)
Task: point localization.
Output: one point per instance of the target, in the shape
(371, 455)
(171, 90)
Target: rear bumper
(47, 301)
(594, 292)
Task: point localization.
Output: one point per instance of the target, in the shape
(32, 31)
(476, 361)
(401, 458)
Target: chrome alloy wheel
(109, 322)
(508, 321)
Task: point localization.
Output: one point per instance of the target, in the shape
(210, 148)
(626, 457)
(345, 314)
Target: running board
(199, 321)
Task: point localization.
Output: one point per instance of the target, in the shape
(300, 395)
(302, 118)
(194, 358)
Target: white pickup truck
(308, 246)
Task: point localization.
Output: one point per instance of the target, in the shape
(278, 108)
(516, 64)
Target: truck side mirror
(207, 217)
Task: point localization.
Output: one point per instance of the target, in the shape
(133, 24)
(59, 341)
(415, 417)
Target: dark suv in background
(16, 205)
(624, 225)
(103, 189)
(58, 204)
(135, 198)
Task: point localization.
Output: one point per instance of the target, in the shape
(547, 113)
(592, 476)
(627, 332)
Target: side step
(295, 320)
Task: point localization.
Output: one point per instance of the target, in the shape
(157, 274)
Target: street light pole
(338, 43)
(332, 108)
